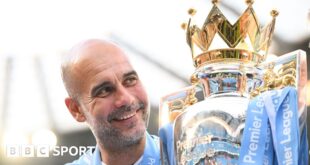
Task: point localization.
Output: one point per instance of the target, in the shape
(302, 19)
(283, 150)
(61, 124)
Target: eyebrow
(130, 73)
(104, 84)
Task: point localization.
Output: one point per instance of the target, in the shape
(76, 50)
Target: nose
(123, 97)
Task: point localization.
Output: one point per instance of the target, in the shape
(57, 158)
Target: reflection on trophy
(240, 109)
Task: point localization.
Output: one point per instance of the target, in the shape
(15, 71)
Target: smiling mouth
(126, 116)
(125, 113)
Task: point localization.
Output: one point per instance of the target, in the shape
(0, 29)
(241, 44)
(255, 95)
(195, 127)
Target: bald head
(85, 56)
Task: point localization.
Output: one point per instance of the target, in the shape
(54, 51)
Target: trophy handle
(171, 106)
(175, 103)
(287, 70)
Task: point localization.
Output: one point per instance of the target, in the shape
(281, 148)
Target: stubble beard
(113, 138)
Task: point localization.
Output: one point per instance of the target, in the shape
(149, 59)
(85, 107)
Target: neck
(122, 156)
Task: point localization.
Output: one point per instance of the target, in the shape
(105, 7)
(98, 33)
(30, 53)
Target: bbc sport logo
(45, 150)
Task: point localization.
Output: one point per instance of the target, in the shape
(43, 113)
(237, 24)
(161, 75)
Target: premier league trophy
(240, 108)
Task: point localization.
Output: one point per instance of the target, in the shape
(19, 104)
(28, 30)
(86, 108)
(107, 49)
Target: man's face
(112, 97)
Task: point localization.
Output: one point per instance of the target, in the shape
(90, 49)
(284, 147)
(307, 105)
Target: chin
(135, 138)
(138, 130)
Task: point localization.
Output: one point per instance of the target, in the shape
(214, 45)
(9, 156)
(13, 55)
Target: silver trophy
(205, 122)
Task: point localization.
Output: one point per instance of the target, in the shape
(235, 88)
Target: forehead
(98, 53)
(98, 61)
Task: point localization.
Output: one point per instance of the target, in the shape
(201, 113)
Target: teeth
(127, 116)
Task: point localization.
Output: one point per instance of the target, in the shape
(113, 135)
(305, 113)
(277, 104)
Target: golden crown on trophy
(245, 41)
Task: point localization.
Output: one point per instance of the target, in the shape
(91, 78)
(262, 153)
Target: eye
(103, 91)
(130, 80)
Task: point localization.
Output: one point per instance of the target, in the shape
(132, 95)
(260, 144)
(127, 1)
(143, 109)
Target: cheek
(141, 94)
(100, 109)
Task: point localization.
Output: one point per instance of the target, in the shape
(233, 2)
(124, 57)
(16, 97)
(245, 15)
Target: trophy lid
(244, 40)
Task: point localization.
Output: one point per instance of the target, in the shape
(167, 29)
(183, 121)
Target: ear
(75, 109)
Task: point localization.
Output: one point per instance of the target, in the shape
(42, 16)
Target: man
(106, 93)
